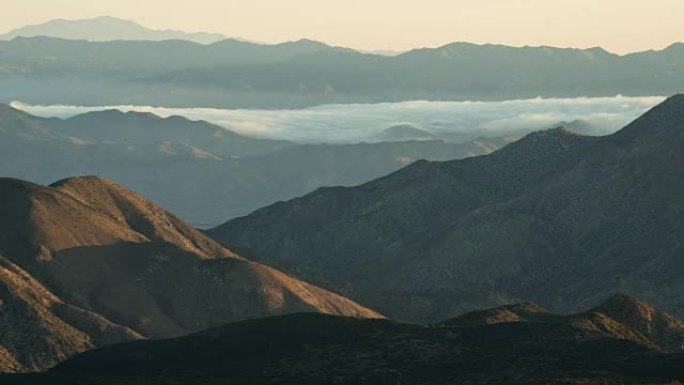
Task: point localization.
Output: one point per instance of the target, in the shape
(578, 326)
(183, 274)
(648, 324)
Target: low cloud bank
(352, 123)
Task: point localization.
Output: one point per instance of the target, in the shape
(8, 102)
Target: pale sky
(617, 25)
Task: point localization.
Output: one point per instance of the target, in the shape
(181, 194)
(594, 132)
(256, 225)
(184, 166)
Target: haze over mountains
(353, 123)
(224, 174)
(557, 218)
(450, 210)
(238, 74)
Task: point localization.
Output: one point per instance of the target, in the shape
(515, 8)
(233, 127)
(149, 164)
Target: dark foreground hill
(86, 263)
(622, 341)
(557, 218)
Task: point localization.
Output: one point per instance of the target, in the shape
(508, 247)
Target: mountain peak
(126, 206)
(674, 101)
(661, 122)
(106, 28)
(404, 132)
(83, 180)
(115, 113)
(307, 42)
(518, 312)
(100, 20)
(623, 302)
(544, 143)
(560, 131)
(657, 325)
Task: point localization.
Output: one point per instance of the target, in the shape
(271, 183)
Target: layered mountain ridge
(556, 218)
(238, 74)
(225, 174)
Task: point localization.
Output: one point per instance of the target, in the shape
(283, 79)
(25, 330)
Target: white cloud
(359, 122)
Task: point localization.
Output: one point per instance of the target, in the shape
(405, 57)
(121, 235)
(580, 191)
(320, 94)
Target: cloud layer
(361, 122)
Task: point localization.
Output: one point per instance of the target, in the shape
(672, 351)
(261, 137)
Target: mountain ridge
(309, 74)
(555, 218)
(89, 263)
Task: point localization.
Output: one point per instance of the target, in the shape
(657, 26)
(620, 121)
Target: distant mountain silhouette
(224, 174)
(588, 348)
(557, 218)
(136, 128)
(237, 74)
(107, 28)
(85, 263)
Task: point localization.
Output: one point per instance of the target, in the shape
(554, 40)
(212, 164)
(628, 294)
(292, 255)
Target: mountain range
(621, 341)
(225, 174)
(558, 218)
(238, 74)
(85, 263)
(106, 28)
(410, 257)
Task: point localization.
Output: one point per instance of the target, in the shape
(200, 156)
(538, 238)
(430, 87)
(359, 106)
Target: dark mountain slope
(586, 348)
(557, 218)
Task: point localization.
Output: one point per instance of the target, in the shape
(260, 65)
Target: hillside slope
(87, 246)
(557, 218)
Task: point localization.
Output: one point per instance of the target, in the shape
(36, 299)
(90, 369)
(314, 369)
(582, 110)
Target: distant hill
(224, 174)
(136, 128)
(606, 345)
(557, 218)
(86, 263)
(403, 132)
(107, 28)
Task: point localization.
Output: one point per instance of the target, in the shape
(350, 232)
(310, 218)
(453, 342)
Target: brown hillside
(101, 247)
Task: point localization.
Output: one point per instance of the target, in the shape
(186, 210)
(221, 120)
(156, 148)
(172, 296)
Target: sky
(620, 26)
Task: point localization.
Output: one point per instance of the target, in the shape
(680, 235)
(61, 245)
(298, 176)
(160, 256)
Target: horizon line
(372, 51)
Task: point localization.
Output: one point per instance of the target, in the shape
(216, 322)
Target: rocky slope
(557, 218)
(87, 262)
